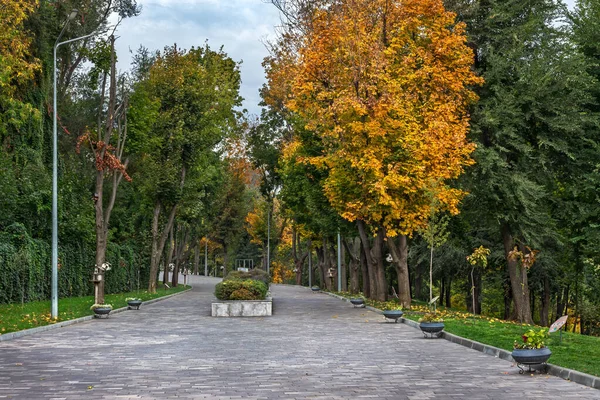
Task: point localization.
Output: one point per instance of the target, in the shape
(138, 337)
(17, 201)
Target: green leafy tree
(194, 94)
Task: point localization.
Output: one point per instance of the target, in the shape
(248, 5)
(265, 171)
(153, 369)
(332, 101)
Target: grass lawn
(16, 317)
(578, 352)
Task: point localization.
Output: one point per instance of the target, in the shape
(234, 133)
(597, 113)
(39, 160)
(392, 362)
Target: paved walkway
(314, 347)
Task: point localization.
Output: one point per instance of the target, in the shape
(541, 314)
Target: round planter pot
(431, 328)
(131, 304)
(393, 314)
(99, 312)
(358, 302)
(315, 288)
(531, 356)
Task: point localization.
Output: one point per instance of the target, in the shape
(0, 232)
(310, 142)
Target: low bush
(234, 289)
(254, 274)
(241, 294)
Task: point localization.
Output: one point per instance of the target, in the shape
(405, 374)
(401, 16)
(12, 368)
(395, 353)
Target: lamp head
(73, 14)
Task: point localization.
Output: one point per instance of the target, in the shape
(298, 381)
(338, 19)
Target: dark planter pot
(432, 328)
(134, 304)
(358, 302)
(102, 311)
(393, 314)
(529, 357)
(315, 288)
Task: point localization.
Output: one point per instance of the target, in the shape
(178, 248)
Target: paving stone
(313, 347)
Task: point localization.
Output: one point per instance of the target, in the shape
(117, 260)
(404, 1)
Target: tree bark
(169, 258)
(158, 242)
(364, 268)
(400, 258)
(180, 255)
(374, 258)
(507, 297)
(321, 265)
(333, 266)
(159, 239)
(298, 261)
(518, 281)
(344, 267)
(197, 259)
(326, 265)
(354, 263)
(225, 259)
(449, 292)
(561, 302)
(418, 282)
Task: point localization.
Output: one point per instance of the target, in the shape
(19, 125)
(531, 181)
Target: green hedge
(25, 268)
(254, 274)
(234, 289)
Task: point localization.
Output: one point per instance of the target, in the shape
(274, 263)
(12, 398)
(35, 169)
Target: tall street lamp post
(57, 44)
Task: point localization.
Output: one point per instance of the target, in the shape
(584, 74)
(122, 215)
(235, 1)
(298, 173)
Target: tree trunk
(354, 263)
(431, 274)
(158, 242)
(102, 214)
(197, 259)
(324, 266)
(478, 291)
(225, 259)
(400, 258)
(169, 258)
(181, 255)
(101, 238)
(418, 282)
(474, 305)
(321, 265)
(374, 258)
(518, 281)
(327, 266)
(561, 304)
(382, 288)
(344, 267)
(366, 280)
(298, 261)
(333, 266)
(449, 292)
(507, 297)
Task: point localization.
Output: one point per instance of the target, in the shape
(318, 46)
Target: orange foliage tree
(384, 85)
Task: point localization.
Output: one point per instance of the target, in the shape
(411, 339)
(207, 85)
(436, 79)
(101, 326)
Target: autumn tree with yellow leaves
(385, 87)
(17, 65)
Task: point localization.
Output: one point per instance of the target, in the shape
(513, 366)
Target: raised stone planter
(243, 308)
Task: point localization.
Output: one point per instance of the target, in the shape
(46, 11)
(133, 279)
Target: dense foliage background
(437, 128)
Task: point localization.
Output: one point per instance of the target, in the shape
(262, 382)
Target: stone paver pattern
(313, 347)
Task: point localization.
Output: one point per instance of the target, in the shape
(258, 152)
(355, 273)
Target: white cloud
(237, 25)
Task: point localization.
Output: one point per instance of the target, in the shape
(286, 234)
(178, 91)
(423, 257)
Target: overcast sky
(241, 26)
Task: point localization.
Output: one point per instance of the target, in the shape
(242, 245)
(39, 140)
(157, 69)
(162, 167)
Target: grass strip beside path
(17, 317)
(578, 352)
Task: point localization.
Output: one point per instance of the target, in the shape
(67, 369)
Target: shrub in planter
(241, 290)
(242, 294)
(254, 274)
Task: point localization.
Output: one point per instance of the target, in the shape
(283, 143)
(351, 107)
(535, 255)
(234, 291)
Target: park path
(313, 347)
